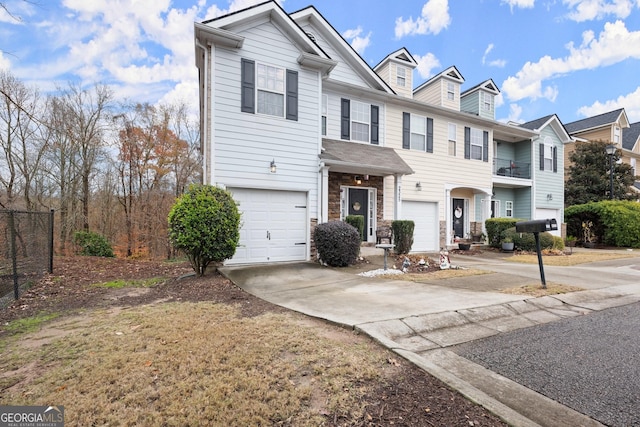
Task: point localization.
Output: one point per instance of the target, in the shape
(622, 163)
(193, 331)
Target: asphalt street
(590, 363)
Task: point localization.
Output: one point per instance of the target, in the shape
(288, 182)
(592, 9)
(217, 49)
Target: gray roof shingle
(630, 136)
(352, 157)
(593, 122)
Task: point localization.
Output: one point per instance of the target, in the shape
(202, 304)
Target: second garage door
(425, 217)
(274, 226)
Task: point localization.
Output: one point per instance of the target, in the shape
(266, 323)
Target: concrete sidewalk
(421, 320)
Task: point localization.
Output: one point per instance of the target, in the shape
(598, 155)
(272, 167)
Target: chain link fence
(26, 245)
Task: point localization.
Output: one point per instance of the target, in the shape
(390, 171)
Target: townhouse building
(301, 130)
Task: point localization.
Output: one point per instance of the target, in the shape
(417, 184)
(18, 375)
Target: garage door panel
(425, 218)
(273, 226)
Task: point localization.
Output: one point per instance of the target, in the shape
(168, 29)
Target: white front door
(273, 226)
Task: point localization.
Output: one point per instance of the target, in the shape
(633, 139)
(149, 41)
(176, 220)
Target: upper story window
(325, 107)
(487, 101)
(476, 144)
(417, 132)
(401, 75)
(268, 90)
(359, 121)
(633, 166)
(452, 139)
(616, 135)
(451, 91)
(548, 156)
(270, 85)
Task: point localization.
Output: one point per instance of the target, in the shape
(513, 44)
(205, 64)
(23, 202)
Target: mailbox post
(536, 226)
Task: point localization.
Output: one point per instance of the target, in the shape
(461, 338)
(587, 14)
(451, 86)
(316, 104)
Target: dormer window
(401, 76)
(451, 91)
(616, 135)
(487, 101)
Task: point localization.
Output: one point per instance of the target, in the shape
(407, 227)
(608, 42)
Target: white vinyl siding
(261, 138)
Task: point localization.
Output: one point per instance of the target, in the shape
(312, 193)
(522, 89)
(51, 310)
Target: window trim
(406, 132)
(400, 77)
(508, 208)
(451, 91)
(249, 90)
(453, 142)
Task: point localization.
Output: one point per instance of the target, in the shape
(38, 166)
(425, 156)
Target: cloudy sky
(575, 58)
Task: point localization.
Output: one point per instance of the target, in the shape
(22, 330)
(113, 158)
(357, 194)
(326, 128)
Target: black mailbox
(537, 225)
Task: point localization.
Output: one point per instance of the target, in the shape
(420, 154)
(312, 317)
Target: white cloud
(433, 19)
(5, 64)
(630, 102)
(426, 64)
(587, 10)
(614, 44)
(515, 111)
(522, 4)
(356, 41)
(499, 63)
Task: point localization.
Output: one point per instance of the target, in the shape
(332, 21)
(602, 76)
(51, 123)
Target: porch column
(397, 204)
(447, 217)
(323, 211)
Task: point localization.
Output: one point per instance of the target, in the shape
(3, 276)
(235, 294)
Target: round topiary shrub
(92, 244)
(205, 224)
(337, 242)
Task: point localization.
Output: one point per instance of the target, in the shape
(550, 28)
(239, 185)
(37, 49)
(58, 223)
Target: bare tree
(86, 125)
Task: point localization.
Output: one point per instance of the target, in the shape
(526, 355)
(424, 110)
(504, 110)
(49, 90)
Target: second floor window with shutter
(476, 144)
(270, 85)
(360, 121)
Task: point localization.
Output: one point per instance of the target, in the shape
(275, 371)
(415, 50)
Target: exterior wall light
(272, 167)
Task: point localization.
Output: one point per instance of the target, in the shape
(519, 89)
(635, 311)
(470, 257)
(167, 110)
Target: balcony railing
(511, 168)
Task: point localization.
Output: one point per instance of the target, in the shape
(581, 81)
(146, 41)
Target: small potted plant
(507, 244)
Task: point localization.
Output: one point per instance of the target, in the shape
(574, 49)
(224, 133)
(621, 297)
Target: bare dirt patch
(202, 349)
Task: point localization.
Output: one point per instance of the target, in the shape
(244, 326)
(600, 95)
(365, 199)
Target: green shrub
(92, 244)
(527, 241)
(496, 228)
(613, 222)
(205, 224)
(356, 221)
(337, 242)
(402, 235)
(558, 243)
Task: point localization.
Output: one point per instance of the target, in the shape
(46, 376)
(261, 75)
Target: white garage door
(425, 217)
(550, 213)
(273, 226)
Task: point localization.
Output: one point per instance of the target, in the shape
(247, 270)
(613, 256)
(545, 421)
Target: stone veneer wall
(336, 180)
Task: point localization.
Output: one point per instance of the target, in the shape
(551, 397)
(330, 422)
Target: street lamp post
(611, 150)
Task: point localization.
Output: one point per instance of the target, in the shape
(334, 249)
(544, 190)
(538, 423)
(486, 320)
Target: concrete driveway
(421, 320)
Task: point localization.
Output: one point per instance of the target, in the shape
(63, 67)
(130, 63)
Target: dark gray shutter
(541, 157)
(248, 81)
(485, 146)
(292, 95)
(345, 119)
(555, 159)
(375, 118)
(406, 130)
(429, 135)
(467, 143)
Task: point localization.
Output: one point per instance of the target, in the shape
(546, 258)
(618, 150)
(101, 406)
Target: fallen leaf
(148, 363)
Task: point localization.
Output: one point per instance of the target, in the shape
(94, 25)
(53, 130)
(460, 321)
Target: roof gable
(487, 85)
(224, 31)
(450, 73)
(601, 120)
(329, 34)
(551, 120)
(630, 136)
(401, 56)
